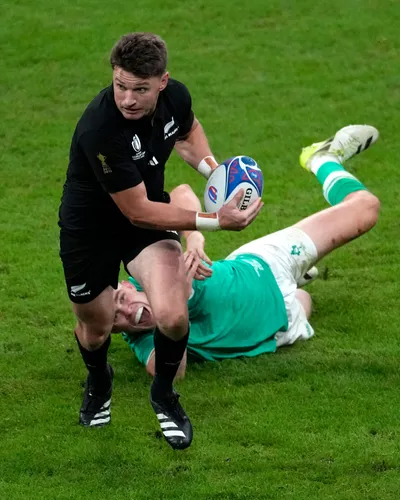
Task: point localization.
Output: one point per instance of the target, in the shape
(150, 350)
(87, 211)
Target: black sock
(169, 354)
(96, 363)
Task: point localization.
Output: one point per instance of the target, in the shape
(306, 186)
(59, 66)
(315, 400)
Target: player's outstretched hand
(195, 268)
(195, 245)
(233, 219)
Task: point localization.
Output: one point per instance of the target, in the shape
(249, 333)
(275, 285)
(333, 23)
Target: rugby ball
(239, 172)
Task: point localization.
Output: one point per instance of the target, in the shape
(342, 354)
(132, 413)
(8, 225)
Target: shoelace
(174, 406)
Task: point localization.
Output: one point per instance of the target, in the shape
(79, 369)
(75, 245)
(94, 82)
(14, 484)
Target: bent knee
(182, 189)
(93, 335)
(371, 201)
(173, 323)
(369, 206)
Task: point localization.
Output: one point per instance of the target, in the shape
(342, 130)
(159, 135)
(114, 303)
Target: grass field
(316, 421)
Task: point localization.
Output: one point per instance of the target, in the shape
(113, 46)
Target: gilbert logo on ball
(239, 172)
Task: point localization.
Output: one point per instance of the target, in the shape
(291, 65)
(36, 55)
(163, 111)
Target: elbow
(138, 221)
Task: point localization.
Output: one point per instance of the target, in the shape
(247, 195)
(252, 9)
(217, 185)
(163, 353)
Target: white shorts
(290, 253)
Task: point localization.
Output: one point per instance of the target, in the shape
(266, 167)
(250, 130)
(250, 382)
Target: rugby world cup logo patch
(137, 147)
(213, 194)
(136, 143)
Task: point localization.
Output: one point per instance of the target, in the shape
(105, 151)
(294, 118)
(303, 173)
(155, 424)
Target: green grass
(315, 421)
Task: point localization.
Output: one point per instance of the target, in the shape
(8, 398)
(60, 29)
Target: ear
(128, 284)
(164, 81)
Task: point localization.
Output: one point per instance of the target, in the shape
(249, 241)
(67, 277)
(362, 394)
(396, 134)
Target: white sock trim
(332, 179)
(319, 160)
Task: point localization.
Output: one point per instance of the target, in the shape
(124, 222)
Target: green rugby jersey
(236, 312)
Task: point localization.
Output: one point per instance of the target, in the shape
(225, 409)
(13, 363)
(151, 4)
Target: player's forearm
(161, 216)
(195, 149)
(142, 212)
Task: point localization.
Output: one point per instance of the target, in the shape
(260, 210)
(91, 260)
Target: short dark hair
(143, 54)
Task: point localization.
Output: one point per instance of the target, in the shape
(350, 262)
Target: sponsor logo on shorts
(296, 250)
(79, 290)
(213, 194)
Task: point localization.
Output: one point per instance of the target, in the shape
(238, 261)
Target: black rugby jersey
(110, 153)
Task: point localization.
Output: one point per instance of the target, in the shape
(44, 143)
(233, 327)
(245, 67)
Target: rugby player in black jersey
(114, 209)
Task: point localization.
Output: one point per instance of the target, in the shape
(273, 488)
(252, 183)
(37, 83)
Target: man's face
(136, 97)
(132, 310)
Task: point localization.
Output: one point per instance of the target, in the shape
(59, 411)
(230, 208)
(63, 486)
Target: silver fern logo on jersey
(169, 125)
(137, 146)
(167, 129)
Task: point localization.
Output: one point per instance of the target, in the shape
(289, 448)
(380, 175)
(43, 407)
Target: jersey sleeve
(109, 157)
(185, 113)
(141, 346)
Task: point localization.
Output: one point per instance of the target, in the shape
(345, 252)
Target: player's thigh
(95, 318)
(337, 225)
(91, 270)
(160, 269)
(290, 253)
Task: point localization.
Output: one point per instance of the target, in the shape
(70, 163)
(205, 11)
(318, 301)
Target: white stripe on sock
(173, 433)
(160, 416)
(332, 179)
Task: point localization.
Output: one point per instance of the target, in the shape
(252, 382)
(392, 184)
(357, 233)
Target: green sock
(336, 182)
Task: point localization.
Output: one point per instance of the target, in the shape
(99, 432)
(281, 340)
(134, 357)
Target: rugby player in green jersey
(249, 303)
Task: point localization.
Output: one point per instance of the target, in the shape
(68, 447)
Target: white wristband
(207, 222)
(206, 166)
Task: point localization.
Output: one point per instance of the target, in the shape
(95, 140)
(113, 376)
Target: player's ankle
(160, 388)
(319, 160)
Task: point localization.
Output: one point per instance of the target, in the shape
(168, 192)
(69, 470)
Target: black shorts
(91, 263)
